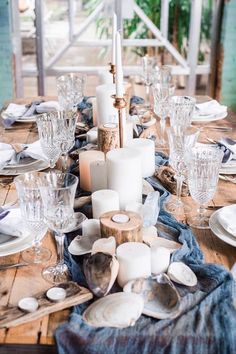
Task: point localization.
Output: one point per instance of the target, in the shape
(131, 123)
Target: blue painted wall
(6, 63)
(228, 40)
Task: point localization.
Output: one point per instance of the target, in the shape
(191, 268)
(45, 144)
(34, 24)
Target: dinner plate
(39, 165)
(228, 169)
(22, 245)
(209, 118)
(26, 161)
(9, 240)
(30, 119)
(219, 231)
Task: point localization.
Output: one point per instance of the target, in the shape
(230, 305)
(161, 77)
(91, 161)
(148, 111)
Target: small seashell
(161, 299)
(160, 259)
(101, 270)
(105, 245)
(82, 245)
(119, 310)
(182, 274)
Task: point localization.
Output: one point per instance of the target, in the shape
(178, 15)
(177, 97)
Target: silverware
(12, 265)
(213, 127)
(214, 207)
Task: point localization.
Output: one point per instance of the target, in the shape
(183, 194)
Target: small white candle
(85, 159)
(28, 304)
(103, 201)
(147, 149)
(92, 136)
(119, 70)
(56, 294)
(160, 259)
(105, 245)
(135, 261)
(91, 227)
(106, 112)
(114, 29)
(124, 175)
(98, 170)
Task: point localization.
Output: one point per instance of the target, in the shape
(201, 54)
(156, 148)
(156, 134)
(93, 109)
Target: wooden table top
(27, 281)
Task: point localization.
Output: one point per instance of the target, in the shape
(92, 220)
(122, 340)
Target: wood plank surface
(26, 281)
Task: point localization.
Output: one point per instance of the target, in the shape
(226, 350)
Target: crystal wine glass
(180, 142)
(161, 95)
(58, 193)
(148, 65)
(47, 128)
(203, 164)
(31, 207)
(70, 90)
(181, 110)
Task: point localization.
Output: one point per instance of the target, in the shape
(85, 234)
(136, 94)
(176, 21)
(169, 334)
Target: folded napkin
(12, 223)
(210, 108)
(18, 111)
(229, 148)
(226, 217)
(46, 107)
(11, 154)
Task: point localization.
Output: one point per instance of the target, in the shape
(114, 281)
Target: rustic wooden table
(37, 336)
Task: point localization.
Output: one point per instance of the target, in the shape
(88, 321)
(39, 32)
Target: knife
(12, 265)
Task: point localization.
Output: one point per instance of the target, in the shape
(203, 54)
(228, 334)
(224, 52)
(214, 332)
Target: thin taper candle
(119, 71)
(114, 29)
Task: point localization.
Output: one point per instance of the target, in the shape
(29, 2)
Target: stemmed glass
(203, 165)
(70, 90)
(148, 65)
(161, 95)
(47, 129)
(58, 193)
(65, 124)
(31, 207)
(181, 110)
(180, 142)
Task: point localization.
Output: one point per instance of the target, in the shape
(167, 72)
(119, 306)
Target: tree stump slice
(108, 137)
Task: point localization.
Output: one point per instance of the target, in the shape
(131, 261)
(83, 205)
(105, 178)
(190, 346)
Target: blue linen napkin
(207, 323)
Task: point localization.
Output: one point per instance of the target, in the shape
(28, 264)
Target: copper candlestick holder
(119, 104)
(113, 71)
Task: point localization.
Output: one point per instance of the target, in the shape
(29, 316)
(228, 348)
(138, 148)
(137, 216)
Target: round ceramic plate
(26, 161)
(209, 118)
(219, 231)
(30, 119)
(9, 240)
(39, 165)
(229, 168)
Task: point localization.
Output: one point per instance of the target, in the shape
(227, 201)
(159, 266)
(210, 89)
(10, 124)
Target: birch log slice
(129, 231)
(108, 137)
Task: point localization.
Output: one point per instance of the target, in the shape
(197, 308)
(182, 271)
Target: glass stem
(202, 210)
(179, 180)
(36, 245)
(163, 127)
(52, 163)
(147, 95)
(64, 159)
(60, 240)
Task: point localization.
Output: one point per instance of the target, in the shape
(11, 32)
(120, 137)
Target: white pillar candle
(135, 207)
(147, 149)
(98, 171)
(114, 30)
(92, 136)
(85, 159)
(124, 175)
(103, 201)
(105, 245)
(91, 227)
(119, 70)
(106, 112)
(160, 259)
(93, 101)
(134, 261)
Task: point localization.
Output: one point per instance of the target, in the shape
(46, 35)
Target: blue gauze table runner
(206, 325)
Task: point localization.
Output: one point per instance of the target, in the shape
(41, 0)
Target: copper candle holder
(120, 103)
(113, 71)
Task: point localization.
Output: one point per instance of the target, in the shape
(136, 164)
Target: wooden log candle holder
(108, 137)
(125, 226)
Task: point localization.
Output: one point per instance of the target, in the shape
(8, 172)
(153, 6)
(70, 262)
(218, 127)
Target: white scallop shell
(182, 274)
(163, 242)
(82, 244)
(105, 245)
(161, 299)
(119, 310)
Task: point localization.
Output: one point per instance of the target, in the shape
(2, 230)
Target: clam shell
(163, 242)
(119, 310)
(100, 271)
(182, 274)
(161, 299)
(82, 244)
(105, 245)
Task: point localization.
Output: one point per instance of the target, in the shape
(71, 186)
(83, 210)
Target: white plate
(219, 231)
(22, 245)
(8, 240)
(26, 161)
(228, 169)
(209, 118)
(39, 165)
(30, 119)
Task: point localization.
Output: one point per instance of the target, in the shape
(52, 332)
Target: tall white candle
(114, 29)
(91, 227)
(106, 112)
(147, 149)
(92, 136)
(103, 201)
(119, 70)
(85, 159)
(134, 261)
(98, 171)
(124, 175)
